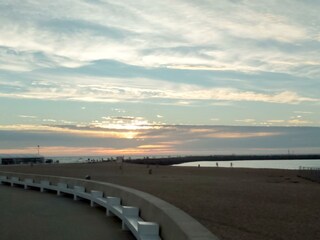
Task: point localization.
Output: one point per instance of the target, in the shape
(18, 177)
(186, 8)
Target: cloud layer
(255, 37)
(143, 75)
(136, 137)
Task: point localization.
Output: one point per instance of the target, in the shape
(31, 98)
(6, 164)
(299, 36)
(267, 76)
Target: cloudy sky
(100, 77)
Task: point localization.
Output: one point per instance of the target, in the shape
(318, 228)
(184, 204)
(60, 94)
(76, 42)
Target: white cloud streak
(139, 89)
(136, 33)
(27, 116)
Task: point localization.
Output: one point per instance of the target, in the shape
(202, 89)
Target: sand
(237, 204)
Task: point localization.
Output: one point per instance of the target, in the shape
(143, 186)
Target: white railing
(129, 215)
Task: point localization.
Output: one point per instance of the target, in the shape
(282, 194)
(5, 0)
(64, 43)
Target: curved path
(31, 215)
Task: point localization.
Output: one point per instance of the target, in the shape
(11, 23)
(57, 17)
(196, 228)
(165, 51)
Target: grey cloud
(24, 139)
(186, 138)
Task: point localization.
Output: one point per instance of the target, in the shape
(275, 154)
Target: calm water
(277, 164)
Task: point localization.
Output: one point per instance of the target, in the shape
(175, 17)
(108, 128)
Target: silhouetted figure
(217, 165)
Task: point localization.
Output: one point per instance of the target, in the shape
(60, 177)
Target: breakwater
(185, 159)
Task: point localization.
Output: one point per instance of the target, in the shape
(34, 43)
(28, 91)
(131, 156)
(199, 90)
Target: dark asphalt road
(31, 215)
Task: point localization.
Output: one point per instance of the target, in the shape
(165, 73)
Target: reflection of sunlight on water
(278, 164)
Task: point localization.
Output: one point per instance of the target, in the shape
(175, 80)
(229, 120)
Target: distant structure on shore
(7, 159)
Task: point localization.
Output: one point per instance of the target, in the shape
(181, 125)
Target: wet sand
(237, 204)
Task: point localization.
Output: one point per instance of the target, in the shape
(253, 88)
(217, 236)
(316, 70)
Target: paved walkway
(31, 215)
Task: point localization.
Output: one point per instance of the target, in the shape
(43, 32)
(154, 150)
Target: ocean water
(273, 164)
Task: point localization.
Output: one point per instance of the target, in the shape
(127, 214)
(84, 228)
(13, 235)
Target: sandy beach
(237, 204)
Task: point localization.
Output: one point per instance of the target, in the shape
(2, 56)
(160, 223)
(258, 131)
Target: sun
(130, 135)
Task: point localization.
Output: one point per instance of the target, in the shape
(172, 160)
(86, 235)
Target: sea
(271, 164)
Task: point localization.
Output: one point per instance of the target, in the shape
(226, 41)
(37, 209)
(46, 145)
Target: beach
(233, 203)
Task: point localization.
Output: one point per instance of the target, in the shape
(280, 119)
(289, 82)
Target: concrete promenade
(31, 215)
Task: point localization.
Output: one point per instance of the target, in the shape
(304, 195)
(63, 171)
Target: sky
(170, 77)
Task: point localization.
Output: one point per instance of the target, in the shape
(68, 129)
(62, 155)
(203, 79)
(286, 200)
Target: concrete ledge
(174, 223)
(128, 215)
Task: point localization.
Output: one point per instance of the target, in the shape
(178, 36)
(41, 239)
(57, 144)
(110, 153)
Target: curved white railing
(129, 215)
(132, 206)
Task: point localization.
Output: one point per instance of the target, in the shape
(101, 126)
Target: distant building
(6, 159)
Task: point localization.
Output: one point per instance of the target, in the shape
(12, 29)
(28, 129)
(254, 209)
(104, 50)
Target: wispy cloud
(124, 123)
(27, 116)
(248, 120)
(303, 112)
(276, 121)
(298, 121)
(135, 33)
(49, 120)
(94, 89)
